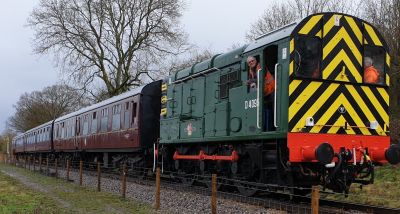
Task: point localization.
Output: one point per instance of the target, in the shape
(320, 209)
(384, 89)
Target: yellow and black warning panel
(328, 91)
(164, 98)
(337, 108)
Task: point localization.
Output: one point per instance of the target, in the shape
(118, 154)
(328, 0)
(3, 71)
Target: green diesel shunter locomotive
(323, 124)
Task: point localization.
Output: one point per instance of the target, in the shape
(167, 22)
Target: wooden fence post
(68, 166)
(315, 200)
(214, 194)
(98, 177)
(56, 167)
(123, 178)
(34, 162)
(157, 196)
(40, 163)
(47, 165)
(80, 172)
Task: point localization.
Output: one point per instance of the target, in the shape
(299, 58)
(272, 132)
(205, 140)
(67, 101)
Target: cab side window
(307, 57)
(374, 65)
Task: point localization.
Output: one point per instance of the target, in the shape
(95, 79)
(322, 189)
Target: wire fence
(207, 184)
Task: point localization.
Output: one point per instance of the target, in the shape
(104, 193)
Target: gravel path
(172, 201)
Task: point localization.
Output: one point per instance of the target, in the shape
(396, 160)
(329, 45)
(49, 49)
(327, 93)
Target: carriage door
(269, 102)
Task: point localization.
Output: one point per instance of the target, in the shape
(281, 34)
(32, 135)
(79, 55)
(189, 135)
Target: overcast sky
(213, 24)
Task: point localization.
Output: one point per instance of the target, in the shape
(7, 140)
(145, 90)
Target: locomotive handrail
(276, 80)
(196, 75)
(258, 98)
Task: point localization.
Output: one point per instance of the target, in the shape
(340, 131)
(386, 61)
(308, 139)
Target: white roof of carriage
(114, 99)
(38, 127)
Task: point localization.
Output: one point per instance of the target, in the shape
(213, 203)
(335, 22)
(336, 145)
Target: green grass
(384, 192)
(16, 198)
(75, 199)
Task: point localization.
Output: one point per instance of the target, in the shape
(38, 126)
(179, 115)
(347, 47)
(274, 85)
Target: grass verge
(16, 198)
(384, 192)
(71, 198)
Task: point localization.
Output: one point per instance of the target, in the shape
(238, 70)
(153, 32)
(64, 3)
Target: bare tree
(385, 15)
(117, 41)
(6, 138)
(304, 8)
(285, 12)
(273, 17)
(194, 56)
(38, 107)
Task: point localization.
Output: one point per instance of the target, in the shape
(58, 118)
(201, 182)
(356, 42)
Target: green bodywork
(198, 111)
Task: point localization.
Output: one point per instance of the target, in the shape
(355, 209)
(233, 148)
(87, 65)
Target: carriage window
(104, 120)
(134, 109)
(94, 123)
(69, 128)
(374, 65)
(116, 118)
(126, 116)
(72, 128)
(307, 57)
(85, 130)
(78, 126)
(63, 135)
(59, 131)
(56, 132)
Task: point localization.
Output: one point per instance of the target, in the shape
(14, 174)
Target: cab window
(307, 57)
(374, 65)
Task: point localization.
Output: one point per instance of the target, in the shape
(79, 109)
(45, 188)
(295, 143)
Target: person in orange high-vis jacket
(269, 83)
(268, 90)
(371, 75)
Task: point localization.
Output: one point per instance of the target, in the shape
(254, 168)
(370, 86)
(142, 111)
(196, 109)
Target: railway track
(359, 207)
(266, 198)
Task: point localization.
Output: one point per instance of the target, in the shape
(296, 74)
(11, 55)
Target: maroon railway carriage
(38, 139)
(18, 144)
(122, 128)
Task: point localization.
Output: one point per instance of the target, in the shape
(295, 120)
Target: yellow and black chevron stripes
(163, 112)
(387, 68)
(164, 87)
(310, 25)
(164, 98)
(342, 49)
(291, 49)
(322, 100)
(343, 39)
(371, 37)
